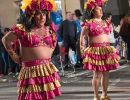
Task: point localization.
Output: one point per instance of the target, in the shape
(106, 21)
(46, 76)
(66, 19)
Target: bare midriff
(40, 52)
(99, 39)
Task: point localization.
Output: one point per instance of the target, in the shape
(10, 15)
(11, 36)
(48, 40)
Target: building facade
(117, 7)
(9, 11)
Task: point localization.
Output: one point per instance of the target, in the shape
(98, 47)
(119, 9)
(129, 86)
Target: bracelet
(12, 53)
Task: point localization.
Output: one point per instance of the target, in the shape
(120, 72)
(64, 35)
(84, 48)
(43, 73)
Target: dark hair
(106, 15)
(6, 29)
(25, 20)
(88, 14)
(125, 27)
(77, 13)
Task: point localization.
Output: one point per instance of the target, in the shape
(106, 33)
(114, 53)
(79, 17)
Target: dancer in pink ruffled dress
(38, 78)
(99, 56)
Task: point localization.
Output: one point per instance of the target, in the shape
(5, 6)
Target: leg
(95, 83)
(78, 51)
(66, 45)
(104, 84)
(128, 53)
(1, 65)
(72, 44)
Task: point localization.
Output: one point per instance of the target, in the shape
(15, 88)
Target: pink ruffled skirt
(38, 80)
(100, 57)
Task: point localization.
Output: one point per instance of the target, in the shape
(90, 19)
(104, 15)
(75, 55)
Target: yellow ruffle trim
(107, 50)
(108, 61)
(37, 71)
(100, 50)
(39, 88)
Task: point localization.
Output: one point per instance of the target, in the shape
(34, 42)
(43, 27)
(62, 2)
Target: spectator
(68, 31)
(108, 19)
(125, 34)
(4, 56)
(1, 52)
(77, 19)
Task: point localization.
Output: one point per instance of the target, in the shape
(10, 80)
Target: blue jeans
(128, 50)
(4, 62)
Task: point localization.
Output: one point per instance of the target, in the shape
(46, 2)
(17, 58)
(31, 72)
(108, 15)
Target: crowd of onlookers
(69, 37)
(7, 65)
(69, 31)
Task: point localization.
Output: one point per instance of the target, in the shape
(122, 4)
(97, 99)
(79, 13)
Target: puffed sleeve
(86, 23)
(18, 30)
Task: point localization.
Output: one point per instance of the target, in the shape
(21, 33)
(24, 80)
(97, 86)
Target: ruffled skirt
(38, 80)
(100, 58)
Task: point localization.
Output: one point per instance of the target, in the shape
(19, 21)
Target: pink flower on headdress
(38, 5)
(34, 6)
(49, 6)
(91, 5)
(99, 2)
(42, 5)
(28, 10)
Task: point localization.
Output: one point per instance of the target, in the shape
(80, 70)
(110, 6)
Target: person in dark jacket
(68, 31)
(125, 34)
(77, 19)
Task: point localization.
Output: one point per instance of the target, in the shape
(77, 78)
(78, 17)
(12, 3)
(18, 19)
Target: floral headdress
(91, 4)
(31, 6)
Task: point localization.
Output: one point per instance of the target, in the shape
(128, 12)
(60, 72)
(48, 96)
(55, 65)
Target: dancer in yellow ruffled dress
(38, 78)
(99, 56)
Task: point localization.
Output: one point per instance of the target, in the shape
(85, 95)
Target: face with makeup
(40, 19)
(97, 12)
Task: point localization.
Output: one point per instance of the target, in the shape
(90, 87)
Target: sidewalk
(77, 86)
(80, 88)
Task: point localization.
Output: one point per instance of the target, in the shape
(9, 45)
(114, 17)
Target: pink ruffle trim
(36, 62)
(39, 80)
(96, 29)
(40, 95)
(99, 57)
(89, 66)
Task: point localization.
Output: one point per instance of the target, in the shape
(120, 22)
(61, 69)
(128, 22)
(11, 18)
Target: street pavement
(77, 86)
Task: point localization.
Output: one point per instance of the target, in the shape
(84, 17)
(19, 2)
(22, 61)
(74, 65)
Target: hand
(82, 48)
(16, 59)
(14, 56)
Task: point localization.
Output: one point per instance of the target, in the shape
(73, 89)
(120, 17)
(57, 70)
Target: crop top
(33, 40)
(96, 29)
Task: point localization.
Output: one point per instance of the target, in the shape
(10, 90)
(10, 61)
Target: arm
(7, 39)
(75, 29)
(83, 37)
(60, 30)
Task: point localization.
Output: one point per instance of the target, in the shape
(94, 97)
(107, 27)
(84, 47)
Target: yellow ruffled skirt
(100, 58)
(38, 80)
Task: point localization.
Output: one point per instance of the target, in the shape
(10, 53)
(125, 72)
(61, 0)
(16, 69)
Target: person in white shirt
(108, 18)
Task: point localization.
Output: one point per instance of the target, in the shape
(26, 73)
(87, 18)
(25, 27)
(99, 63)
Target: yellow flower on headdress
(54, 5)
(25, 3)
(87, 2)
(91, 3)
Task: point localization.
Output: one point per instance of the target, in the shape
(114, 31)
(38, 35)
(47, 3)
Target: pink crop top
(96, 29)
(33, 40)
